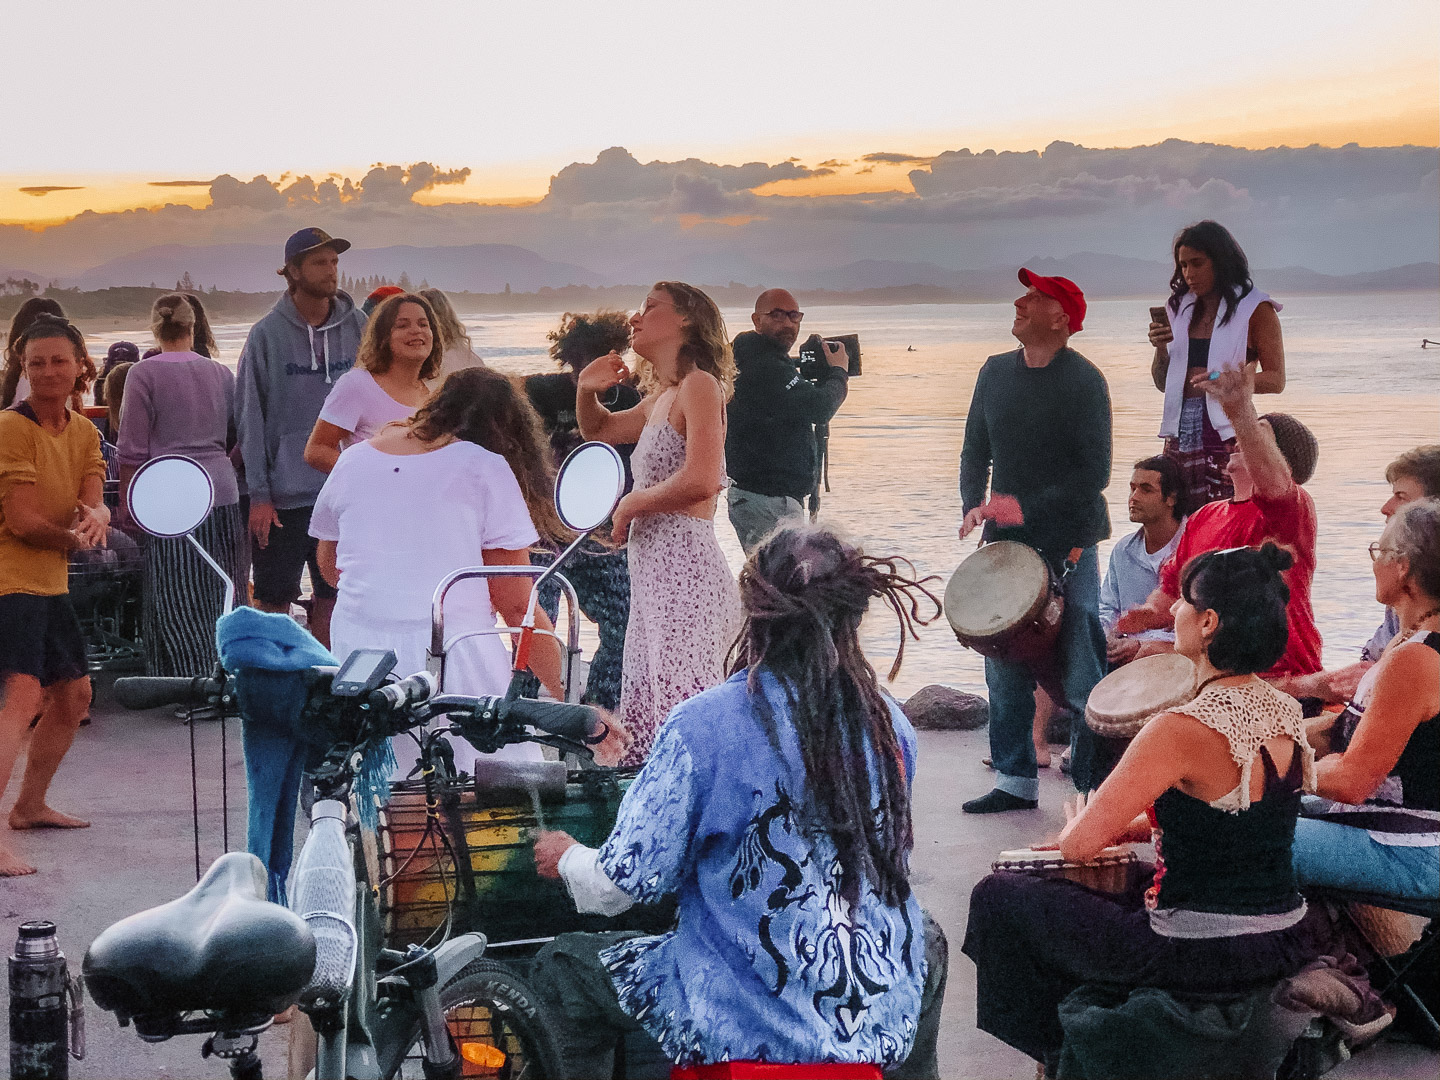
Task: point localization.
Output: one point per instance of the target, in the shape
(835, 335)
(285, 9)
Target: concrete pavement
(129, 774)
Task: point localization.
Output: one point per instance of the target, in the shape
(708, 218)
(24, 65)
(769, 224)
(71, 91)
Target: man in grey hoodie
(290, 361)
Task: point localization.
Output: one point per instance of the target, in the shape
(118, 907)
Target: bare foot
(11, 866)
(46, 818)
(1042, 757)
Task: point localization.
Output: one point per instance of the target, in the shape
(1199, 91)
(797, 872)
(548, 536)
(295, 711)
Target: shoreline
(126, 308)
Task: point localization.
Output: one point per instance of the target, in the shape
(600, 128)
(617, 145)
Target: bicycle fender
(455, 955)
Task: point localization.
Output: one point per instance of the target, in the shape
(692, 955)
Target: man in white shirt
(1135, 561)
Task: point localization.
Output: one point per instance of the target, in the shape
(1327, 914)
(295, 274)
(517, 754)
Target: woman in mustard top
(51, 485)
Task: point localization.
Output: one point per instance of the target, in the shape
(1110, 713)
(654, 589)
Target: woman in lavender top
(179, 402)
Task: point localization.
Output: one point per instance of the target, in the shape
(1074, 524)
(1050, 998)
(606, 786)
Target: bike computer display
(363, 670)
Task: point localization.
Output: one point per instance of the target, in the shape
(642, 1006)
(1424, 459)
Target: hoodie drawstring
(324, 348)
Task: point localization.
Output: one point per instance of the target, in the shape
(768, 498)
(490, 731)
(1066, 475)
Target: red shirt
(1290, 522)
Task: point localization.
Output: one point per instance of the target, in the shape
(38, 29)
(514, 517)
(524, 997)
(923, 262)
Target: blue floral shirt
(768, 962)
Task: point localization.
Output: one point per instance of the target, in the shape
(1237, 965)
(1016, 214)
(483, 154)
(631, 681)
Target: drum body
(494, 887)
(1124, 700)
(1005, 602)
(1113, 871)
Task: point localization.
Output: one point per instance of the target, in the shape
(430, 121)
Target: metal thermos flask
(45, 1007)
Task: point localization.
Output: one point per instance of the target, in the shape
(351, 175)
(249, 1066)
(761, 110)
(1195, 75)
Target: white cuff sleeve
(591, 889)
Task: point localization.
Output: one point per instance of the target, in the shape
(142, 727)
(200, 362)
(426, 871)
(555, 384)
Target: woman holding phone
(684, 605)
(1214, 320)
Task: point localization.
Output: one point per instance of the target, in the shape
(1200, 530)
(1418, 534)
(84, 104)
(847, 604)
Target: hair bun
(1276, 557)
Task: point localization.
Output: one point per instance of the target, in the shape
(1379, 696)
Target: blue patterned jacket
(768, 962)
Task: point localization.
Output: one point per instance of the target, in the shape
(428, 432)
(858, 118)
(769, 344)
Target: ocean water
(1356, 375)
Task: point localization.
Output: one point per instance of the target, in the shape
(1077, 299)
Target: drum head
(995, 588)
(1134, 693)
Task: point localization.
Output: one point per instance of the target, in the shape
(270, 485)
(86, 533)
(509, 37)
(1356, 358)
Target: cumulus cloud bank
(616, 176)
(1340, 210)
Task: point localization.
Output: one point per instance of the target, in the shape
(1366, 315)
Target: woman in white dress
(466, 481)
(399, 354)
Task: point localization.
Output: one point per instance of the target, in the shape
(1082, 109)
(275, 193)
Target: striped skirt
(1202, 456)
(183, 594)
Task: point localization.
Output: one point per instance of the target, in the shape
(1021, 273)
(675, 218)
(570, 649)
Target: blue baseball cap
(307, 240)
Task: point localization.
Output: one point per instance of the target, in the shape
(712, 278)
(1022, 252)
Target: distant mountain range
(251, 267)
(492, 268)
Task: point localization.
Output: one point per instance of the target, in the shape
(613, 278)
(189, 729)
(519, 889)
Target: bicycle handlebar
(154, 692)
(412, 700)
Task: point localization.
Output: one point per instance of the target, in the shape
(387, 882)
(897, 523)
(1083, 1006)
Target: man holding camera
(770, 445)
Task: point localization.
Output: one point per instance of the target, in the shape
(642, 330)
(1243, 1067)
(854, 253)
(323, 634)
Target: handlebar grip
(408, 691)
(577, 722)
(153, 692)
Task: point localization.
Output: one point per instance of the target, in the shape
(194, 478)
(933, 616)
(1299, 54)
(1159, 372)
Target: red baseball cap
(1072, 300)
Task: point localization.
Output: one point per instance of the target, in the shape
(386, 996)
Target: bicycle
(222, 961)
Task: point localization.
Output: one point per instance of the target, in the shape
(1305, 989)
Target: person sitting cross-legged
(777, 807)
(1135, 561)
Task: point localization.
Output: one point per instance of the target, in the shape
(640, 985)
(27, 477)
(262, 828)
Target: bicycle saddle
(219, 948)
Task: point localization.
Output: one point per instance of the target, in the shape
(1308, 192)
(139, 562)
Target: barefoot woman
(51, 481)
(684, 606)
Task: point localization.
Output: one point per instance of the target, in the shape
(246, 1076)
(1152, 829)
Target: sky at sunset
(514, 92)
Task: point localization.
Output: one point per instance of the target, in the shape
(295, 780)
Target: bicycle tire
(510, 1017)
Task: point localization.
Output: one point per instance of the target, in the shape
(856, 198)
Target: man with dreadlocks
(777, 807)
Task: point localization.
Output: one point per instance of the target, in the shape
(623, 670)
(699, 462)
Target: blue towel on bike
(247, 638)
(269, 655)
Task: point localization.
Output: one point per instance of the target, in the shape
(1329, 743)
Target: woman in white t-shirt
(465, 481)
(399, 353)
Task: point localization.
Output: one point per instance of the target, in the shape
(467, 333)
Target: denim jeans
(1337, 856)
(1080, 657)
(755, 516)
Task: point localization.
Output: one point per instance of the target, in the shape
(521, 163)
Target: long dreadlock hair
(805, 592)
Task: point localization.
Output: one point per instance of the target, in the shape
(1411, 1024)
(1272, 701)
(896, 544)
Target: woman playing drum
(1219, 780)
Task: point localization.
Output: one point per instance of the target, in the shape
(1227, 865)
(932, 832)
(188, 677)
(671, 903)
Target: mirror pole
(229, 584)
(555, 566)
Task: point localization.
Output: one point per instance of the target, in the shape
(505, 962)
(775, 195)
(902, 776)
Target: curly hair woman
(683, 604)
(777, 807)
(465, 481)
(599, 572)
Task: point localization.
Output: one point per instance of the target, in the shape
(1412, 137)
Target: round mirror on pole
(170, 495)
(588, 485)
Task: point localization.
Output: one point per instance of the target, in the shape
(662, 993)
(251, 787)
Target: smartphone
(1157, 314)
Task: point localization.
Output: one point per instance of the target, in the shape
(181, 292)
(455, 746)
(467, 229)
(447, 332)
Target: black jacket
(770, 439)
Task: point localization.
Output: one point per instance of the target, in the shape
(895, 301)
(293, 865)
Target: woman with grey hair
(1376, 827)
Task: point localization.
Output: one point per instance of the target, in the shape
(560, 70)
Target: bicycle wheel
(490, 1005)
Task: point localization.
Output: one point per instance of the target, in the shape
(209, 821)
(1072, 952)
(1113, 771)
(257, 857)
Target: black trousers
(1034, 940)
(576, 990)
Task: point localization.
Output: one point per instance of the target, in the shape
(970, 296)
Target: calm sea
(1356, 375)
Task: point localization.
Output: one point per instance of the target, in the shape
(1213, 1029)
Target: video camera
(812, 362)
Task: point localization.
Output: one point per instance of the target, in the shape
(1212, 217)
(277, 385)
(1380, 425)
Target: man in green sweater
(1038, 438)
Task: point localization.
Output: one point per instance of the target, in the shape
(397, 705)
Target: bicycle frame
(365, 1037)
(440, 646)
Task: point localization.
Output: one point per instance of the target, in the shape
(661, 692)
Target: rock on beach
(943, 708)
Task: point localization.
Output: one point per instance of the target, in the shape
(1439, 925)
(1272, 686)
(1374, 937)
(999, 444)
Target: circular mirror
(170, 495)
(588, 486)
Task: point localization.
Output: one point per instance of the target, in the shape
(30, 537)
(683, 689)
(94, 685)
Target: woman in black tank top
(1376, 827)
(1223, 913)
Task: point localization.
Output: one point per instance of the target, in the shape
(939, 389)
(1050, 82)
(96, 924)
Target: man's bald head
(777, 316)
